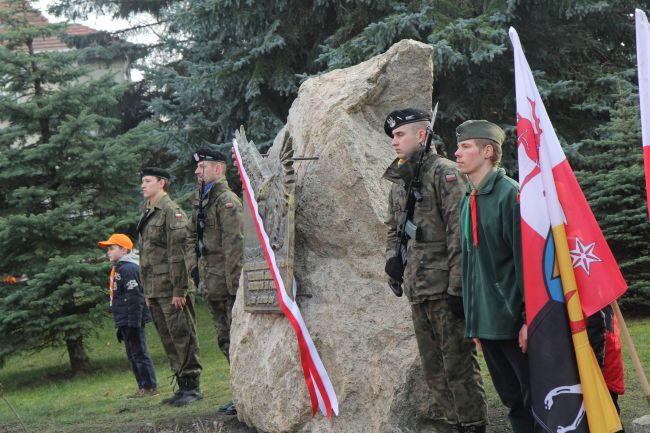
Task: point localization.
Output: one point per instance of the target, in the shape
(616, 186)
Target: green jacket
(220, 266)
(493, 289)
(433, 263)
(163, 236)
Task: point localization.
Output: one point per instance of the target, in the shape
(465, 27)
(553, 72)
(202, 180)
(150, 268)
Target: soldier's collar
(220, 184)
(157, 202)
(216, 187)
(206, 190)
(396, 171)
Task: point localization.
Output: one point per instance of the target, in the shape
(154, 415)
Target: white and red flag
(597, 274)
(319, 385)
(643, 63)
(569, 273)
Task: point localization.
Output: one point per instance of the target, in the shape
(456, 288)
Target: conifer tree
(612, 177)
(68, 177)
(238, 62)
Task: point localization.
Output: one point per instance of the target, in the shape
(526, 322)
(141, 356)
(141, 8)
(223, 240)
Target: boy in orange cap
(129, 311)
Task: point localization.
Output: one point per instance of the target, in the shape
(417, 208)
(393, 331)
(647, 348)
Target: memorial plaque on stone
(276, 203)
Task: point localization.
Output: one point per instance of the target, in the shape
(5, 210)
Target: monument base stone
(363, 333)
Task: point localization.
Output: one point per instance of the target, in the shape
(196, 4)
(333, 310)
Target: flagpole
(643, 57)
(567, 212)
(629, 344)
(591, 378)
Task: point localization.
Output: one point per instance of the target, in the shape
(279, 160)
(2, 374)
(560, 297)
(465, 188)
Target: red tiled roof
(53, 43)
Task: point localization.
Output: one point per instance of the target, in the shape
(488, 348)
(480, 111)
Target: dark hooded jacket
(129, 308)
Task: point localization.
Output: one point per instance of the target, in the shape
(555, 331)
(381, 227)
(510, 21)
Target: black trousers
(508, 368)
(138, 354)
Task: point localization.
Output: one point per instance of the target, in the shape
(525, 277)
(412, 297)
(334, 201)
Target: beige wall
(117, 69)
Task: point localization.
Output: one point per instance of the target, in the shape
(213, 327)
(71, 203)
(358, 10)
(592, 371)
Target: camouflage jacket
(163, 236)
(220, 266)
(433, 263)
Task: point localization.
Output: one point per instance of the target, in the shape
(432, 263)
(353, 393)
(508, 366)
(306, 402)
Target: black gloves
(394, 268)
(119, 336)
(195, 276)
(396, 287)
(455, 304)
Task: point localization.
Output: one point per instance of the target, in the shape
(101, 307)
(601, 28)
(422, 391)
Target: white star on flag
(583, 256)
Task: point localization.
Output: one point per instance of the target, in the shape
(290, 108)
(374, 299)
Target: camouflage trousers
(450, 363)
(177, 331)
(221, 311)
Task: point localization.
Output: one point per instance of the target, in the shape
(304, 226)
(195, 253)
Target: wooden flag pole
(632, 351)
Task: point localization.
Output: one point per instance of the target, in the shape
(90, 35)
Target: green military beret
(479, 129)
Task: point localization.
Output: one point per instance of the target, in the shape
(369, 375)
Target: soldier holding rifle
(423, 251)
(217, 240)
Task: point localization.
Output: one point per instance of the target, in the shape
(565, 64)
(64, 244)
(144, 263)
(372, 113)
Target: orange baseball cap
(117, 239)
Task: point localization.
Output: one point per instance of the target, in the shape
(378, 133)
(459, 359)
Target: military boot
(225, 406)
(232, 410)
(191, 393)
(178, 394)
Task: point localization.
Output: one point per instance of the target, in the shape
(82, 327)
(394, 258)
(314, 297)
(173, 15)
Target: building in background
(118, 65)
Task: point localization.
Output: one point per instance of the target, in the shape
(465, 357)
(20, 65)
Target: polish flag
(643, 62)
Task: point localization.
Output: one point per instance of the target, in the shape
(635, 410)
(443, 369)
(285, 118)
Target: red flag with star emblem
(569, 273)
(599, 279)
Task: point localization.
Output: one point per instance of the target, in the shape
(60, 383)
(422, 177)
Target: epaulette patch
(178, 215)
(451, 178)
(229, 205)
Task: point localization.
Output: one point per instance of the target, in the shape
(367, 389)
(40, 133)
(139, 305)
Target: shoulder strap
(434, 166)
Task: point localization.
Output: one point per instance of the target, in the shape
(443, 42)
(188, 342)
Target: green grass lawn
(48, 401)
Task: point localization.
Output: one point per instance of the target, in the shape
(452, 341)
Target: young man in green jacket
(492, 273)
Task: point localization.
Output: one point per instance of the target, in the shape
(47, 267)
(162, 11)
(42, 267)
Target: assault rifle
(200, 223)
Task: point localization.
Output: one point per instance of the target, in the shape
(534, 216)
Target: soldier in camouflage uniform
(163, 236)
(217, 238)
(432, 279)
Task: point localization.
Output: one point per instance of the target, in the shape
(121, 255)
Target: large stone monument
(362, 331)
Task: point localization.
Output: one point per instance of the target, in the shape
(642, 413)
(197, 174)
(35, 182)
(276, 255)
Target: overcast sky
(102, 22)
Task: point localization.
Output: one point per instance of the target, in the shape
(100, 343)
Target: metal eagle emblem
(273, 181)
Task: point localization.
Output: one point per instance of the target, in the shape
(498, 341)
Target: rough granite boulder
(641, 425)
(364, 334)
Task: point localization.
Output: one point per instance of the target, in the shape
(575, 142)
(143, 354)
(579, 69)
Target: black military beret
(206, 154)
(155, 171)
(401, 117)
